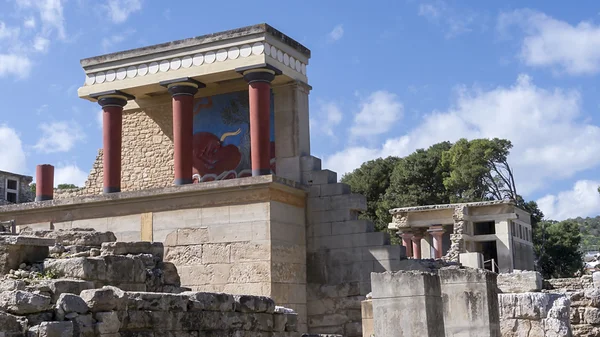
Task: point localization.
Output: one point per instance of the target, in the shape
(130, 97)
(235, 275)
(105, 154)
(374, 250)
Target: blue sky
(388, 77)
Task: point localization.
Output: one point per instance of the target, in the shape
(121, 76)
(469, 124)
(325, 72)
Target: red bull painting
(222, 137)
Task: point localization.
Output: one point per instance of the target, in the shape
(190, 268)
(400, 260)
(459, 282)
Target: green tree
(557, 246)
(372, 180)
(66, 186)
(32, 188)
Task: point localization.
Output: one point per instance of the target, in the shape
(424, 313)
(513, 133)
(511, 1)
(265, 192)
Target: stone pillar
(407, 303)
(259, 91)
(416, 245)
(407, 243)
(182, 91)
(44, 182)
(112, 103)
(436, 233)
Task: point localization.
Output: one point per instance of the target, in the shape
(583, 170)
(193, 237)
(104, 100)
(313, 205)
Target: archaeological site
(205, 214)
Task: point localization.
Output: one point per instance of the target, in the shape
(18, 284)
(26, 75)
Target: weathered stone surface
(520, 282)
(535, 314)
(123, 269)
(170, 274)
(246, 303)
(92, 268)
(105, 299)
(74, 237)
(107, 322)
(134, 248)
(9, 285)
(69, 303)
(55, 329)
(157, 301)
(200, 301)
(64, 286)
(21, 302)
(11, 323)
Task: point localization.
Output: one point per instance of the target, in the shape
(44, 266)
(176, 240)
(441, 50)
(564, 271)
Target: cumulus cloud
(59, 137)
(11, 150)
(582, 200)
(15, 65)
(41, 44)
(454, 22)
(69, 174)
(548, 42)
(328, 116)
(50, 13)
(120, 10)
(378, 114)
(337, 33)
(29, 22)
(551, 140)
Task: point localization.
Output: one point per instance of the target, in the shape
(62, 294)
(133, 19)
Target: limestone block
(314, 191)
(247, 303)
(192, 236)
(134, 248)
(92, 268)
(105, 299)
(591, 316)
(75, 236)
(471, 260)
(391, 252)
(11, 323)
(203, 301)
(367, 318)
(520, 282)
(123, 269)
(288, 293)
(287, 252)
(319, 177)
(55, 329)
(250, 272)
(249, 212)
(334, 189)
(310, 163)
(170, 274)
(352, 227)
(292, 233)
(230, 233)
(289, 168)
(596, 279)
(215, 215)
(107, 322)
(288, 272)
(186, 255)
(9, 285)
(284, 213)
(357, 202)
(246, 252)
(156, 301)
(36, 319)
(83, 325)
(205, 274)
(22, 302)
(332, 216)
(68, 303)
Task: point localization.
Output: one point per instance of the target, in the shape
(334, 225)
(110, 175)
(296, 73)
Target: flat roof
(446, 206)
(15, 174)
(195, 41)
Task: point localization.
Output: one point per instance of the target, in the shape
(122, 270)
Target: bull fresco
(222, 137)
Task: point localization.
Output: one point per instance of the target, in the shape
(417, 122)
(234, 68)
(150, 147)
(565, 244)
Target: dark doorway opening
(490, 255)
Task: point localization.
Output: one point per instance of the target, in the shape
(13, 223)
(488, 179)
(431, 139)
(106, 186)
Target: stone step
(319, 177)
(349, 240)
(352, 226)
(310, 163)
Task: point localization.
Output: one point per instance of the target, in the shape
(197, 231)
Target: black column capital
(259, 73)
(112, 98)
(182, 86)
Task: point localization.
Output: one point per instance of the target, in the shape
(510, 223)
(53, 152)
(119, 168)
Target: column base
(111, 190)
(261, 172)
(43, 197)
(183, 181)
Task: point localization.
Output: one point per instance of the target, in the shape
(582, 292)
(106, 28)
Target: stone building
(206, 148)
(498, 230)
(14, 188)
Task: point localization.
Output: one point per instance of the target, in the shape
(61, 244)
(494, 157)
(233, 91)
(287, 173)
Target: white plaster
(187, 61)
(279, 56)
(298, 66)
(258, 48)
(153, 68)
(267, 49)
(273, 52)
(121, 73)
(246, 50)
(100, 77)
(90, 79)
(233, 53)
(110, 75)
(175, 63)
(292, 62)
(142, 69)
(286, 59)
(164, 66)
(221, 55)
(131, 71)
(198, 59)
(210, 57)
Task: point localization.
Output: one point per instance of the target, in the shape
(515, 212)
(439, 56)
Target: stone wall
(535, 315)
(147, 155)
(342, 251)
(24, 191)
(569, 284)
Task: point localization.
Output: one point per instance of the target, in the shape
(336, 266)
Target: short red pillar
(259, 91)
(437, 233)
(44, 182)
(416, 245)
(407, 243)
(182, 92)
(112, 104)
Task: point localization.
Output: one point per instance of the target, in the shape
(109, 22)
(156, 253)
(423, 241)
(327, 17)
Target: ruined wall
(147, 155)
(534, 315)
(24, 191)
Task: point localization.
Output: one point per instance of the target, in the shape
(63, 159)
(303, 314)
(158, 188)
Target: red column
(112, 103)
(416, 245)
(436, 233)
(407, 243)
(44, 182)
(259, 91)
(182, 92)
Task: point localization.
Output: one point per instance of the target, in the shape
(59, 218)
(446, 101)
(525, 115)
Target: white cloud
(119, 10)
(548, 42)
(109, 42)
(377, 115)
(337, 33)
(11, 150)
(7, 32)
(29, 22)
(328, 116)
(41, 44)
(69, 174)
(14, 65)
(455, 23)
(51, 15)
(583, 200)
(59, 137)
(545, 126)
(99, 119)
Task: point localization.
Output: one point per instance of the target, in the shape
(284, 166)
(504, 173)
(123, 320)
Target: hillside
(590, 231)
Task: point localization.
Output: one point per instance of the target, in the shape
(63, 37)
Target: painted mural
(222, 137)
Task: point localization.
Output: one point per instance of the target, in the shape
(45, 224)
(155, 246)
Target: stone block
(283, 272)
(332, 216)
(215, 215)
(107, 323)
(352, 227)
(334, 189)
(205, 274)
(192, 236)
(134, 248)
(63, 286)
(156, 301)
(250, 251)
(230, 233)
(310, 163)
(85, 268)
(203, 301)
(123, 269)
(470, 302)
(357, 202)
(11, 323)
(391, 252)
(69, 303)
(55, 329)
(247, 303)
(393, 293)
(9, 285)
(189, 255)
(287, 252)
(20, 302)
(289, 168)
(292, 233)
(250, 272)
(249, 212)
(471, 260)
(367, 318)
(319, 177)
(520, 282)
(105, 299)
(284, 213)
(596, 279)
(76, 236)
(288, 293)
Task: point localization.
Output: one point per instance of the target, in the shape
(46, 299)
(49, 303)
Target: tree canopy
(556, 246)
